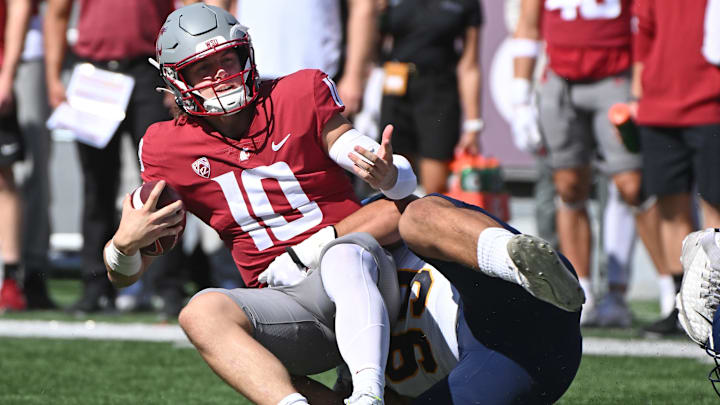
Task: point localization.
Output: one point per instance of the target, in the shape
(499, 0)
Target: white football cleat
(540, 271)
(699, 294)
(364, 398)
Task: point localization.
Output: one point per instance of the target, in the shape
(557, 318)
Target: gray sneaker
(613, 311)
(540, 271)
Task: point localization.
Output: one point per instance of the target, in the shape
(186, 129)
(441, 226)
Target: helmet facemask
(222, 101)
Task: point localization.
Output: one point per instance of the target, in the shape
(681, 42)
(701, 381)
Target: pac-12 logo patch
(202, 167)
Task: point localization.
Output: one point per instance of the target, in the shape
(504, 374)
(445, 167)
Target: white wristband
(120, 263)
(524, 48)
(474, 125)
(406, 182)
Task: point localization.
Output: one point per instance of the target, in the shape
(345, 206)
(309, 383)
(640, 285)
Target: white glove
(525, 128)
(308, 251)
(282, 272)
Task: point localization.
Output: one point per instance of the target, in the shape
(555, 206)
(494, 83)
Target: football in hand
(168, 196)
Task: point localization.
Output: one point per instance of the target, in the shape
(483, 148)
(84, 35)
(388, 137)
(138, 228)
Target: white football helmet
(193, 33)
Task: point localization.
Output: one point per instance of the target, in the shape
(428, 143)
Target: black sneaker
(36, 291)
(98, 296)
(668, 326)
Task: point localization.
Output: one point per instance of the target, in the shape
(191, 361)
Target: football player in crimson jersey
(588, 44)
(467, 331)
(262, 163)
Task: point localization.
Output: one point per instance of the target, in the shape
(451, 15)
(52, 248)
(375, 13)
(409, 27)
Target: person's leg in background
(618, 243)
(11, 151)
(11, 295)
(145, 108)
(544, 200)
(667, 164)
(101, 178)
(33, 112)
(436, 113)
(569, 137)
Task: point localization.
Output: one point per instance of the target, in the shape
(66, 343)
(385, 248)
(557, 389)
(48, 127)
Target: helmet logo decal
(210, 43)
(202, 167)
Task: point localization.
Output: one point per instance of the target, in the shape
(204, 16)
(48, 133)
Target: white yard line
(173, 333)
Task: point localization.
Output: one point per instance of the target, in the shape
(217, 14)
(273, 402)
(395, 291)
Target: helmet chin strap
(227, 101)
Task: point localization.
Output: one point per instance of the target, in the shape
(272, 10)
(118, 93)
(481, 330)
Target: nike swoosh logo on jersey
(276, 146)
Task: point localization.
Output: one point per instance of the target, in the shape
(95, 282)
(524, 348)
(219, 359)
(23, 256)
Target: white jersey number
(588, 9)
(260, 203)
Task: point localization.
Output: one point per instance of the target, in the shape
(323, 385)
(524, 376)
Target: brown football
(168, 196)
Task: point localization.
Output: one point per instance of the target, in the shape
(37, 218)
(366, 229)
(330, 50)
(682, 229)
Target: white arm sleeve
(345, 144)
(711, 37)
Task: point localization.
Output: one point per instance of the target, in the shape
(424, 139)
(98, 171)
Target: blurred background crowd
(604, 116)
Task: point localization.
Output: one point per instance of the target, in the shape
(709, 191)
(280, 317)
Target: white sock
(293, 399)
(362, 326)
(618, 237)
(587, 288)
(666, 285)
(492, 255)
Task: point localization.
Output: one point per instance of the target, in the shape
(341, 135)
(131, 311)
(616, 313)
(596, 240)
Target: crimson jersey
(679, 86)
(588, 39)
(271, 189)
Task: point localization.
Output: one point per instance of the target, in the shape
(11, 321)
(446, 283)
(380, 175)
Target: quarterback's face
(210, 72)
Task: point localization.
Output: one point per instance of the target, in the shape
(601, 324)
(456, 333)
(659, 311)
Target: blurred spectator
(290, 35)
(119, 37)
(432, 70)
(589, 60)
(33, 111)
(677, 82)
(14, 18)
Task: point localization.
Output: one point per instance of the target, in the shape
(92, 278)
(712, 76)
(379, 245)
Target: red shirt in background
(117, 30)
(271, 189)
(589, 41)
(680, 87)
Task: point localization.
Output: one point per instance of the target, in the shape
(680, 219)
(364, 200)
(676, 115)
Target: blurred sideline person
(119, 37)
(462, 333)
(263, 163)
(33, 112)
(589, 60)
(292, 35)
(14, 18)
(430, 85)
(677, 84)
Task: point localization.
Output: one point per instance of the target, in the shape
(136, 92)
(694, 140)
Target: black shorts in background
(426, 118)
(677, 158)
(12, 148)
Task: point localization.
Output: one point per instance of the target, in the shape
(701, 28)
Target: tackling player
(262, 163)
(481, 318)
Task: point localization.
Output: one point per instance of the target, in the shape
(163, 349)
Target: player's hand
(141, 227)
(468, 144)
(56, 93)
(6, 96)
(376, 168)
(351, 91)
(282, 271)
(525, 128)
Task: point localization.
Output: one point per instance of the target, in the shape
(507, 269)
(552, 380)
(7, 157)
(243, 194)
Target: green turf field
(53, 371)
